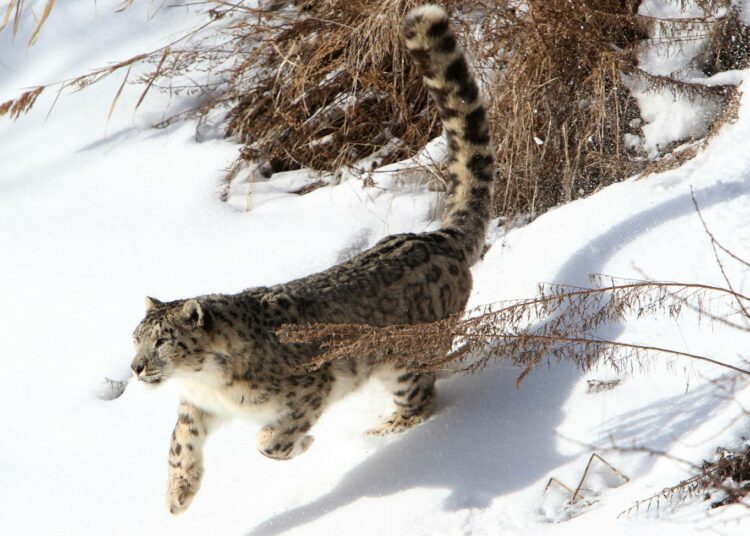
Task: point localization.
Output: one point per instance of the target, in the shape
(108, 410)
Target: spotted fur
(224, 351)
(448, 78)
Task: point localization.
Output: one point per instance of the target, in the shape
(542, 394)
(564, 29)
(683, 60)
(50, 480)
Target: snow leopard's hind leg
(413, 394)
(287, 437)
(306, 398)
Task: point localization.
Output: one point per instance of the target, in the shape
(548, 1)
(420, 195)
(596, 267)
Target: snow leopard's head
(173, 336)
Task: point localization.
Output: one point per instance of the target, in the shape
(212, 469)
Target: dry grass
(21, 104)
(723, 481)
(321, 85)
(560, 107)
(334, 85)
(729, 474)
(330, 84)
(15, 8)
(559, 324)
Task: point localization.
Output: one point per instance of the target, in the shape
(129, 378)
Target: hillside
(96, 213)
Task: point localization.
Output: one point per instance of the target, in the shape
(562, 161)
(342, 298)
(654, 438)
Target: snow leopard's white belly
(228, 402)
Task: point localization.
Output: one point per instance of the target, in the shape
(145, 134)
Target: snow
(94, 215)
(670, 51)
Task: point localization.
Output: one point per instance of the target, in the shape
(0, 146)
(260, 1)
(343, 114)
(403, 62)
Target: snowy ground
(94, 215)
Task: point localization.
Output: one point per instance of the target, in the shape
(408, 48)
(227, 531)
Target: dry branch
(560, 323)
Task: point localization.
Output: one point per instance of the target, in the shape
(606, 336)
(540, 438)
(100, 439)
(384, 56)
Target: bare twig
(715, 245)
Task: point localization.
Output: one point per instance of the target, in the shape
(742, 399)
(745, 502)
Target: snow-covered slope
(94, 215)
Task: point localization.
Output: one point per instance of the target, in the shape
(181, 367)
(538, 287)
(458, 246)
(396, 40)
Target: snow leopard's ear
(196, 314)
(151, 303)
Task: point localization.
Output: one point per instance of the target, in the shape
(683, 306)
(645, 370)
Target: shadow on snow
(488, 438)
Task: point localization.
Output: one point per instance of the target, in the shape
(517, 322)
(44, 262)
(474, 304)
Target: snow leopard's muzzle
(148, 369)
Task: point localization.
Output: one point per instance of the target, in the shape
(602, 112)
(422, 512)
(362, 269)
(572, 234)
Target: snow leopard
(225, 351)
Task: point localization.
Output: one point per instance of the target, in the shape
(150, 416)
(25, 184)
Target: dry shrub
(723, 481)
(730, 474)
(559, 106)
(561, 323)
(323, 84)
(728, 42)
(334, 85)
(327, 83)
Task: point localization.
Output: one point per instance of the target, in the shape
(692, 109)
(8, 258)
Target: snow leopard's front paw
(182, 488)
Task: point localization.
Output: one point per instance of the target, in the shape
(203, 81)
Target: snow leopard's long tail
(432, 46)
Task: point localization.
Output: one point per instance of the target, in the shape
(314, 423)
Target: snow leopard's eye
(159, 342)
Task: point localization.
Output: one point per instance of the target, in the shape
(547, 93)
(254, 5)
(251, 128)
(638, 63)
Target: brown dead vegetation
(723, 481)
(561, 323)
(322, 85)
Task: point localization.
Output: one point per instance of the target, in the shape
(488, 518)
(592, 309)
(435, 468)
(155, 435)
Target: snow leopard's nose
(138, 365)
